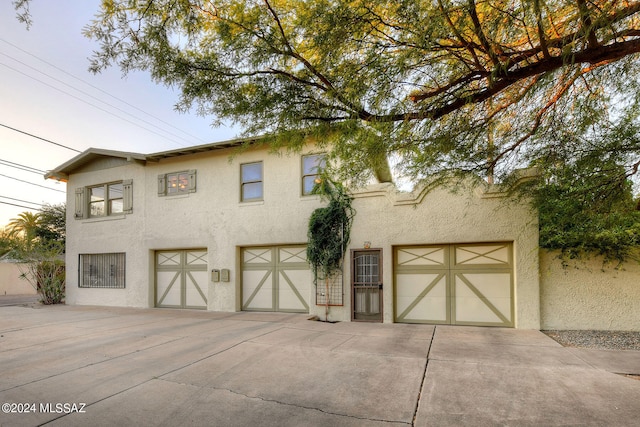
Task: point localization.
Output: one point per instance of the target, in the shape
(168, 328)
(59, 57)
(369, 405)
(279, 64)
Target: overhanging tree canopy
(482, 85)
(449, 86)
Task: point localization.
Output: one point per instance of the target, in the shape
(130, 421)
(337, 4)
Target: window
(312, 166)
(102, 271)
(174, 183)
(114, 198)
(251, 187)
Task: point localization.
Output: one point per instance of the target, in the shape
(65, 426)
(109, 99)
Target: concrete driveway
(78, 366)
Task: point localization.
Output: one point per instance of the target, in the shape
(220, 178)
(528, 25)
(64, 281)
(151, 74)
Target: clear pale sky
(46, 91)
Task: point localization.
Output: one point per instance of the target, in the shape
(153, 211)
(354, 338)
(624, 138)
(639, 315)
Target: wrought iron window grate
(102, 270)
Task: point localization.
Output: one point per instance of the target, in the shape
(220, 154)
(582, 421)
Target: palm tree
(25, 225)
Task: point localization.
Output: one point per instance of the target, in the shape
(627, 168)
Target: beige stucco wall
(10, 281)
(122, 233)
(589, 294)
(214, 218)
(386, 218)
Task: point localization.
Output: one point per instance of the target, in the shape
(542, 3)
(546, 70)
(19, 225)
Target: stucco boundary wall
(588, 294)
(10, 281)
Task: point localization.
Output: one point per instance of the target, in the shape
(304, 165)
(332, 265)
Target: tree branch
(504, 78)
(587, 25)
(479, 32)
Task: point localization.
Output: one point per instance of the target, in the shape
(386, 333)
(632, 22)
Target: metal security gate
(181, 279)
(276, 278)
(462, 284)
(366, 283)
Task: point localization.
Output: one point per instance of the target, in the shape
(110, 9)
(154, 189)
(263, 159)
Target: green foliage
(329, 229)
(44, 268)
(6, 242)
(38, 241)
(587, 207)
(451, 88)
(52, 226)
(448, 86)
(25, 227)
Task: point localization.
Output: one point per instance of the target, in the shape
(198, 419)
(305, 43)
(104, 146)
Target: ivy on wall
(329, 232)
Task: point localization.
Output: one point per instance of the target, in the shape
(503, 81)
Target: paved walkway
(78, 366)
(18, 299)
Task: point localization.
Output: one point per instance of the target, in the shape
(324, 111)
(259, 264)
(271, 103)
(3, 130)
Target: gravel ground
(604, 340)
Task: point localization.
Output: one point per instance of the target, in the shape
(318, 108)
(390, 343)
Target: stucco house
(194, 228)
(214, 228)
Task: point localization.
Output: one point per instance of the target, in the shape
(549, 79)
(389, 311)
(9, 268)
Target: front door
(366, 282)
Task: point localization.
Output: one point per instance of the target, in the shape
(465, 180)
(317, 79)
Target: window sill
(175, 196)
(252, 203)
(104, 218)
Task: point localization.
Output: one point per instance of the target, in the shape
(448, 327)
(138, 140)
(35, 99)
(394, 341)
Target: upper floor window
(312, 166)
(251, 185)
(113, 198)
(106, 200)
(170, 184)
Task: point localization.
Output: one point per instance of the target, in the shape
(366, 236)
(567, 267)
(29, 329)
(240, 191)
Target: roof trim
(220, 145)
(62, 172)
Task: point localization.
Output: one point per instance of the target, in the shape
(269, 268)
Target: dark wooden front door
(366, 282)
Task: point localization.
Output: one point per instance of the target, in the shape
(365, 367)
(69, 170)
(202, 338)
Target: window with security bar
(102, 271)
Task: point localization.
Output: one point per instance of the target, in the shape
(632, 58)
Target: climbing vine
(329, 231)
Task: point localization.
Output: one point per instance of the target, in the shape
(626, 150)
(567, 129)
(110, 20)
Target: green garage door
(276, 278)
(461, 284)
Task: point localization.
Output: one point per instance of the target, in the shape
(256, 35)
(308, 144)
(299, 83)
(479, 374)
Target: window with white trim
(174, 183)
(251, 188)
(103, 200)
(312, 167)
(102, 270)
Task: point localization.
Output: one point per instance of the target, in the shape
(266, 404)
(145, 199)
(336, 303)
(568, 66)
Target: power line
(23, 201)
(96, 88)
(20, 206)
(84, 93)
(31, 183)
(21, 167)
(39, 137)
(93, 105)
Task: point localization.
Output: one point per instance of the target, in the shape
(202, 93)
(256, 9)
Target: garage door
(276, 278)
(181, 279)
(462, 284)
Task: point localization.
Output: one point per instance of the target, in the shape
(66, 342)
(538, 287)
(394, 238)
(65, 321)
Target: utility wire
(82, 92)
(21, 167)
(19, 200)
(37, 185)
(20, 206)
(98, 89)
(93, 105)
(40, 138)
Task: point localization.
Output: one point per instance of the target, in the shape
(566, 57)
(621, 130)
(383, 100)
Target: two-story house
(210, 227)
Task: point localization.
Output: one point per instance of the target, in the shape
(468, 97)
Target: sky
(51, 105)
